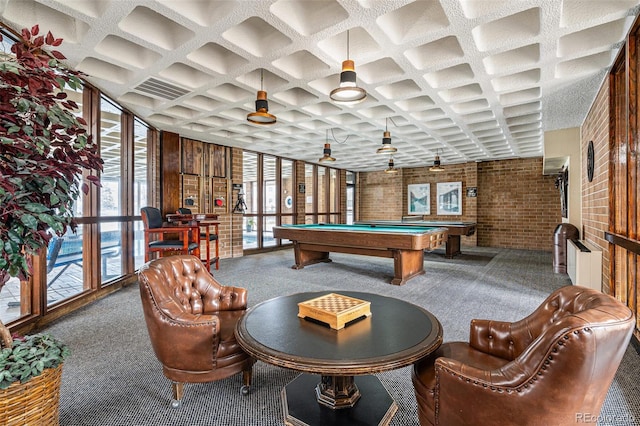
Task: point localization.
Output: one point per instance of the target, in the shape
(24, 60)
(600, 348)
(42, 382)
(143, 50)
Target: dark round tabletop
(396, 334)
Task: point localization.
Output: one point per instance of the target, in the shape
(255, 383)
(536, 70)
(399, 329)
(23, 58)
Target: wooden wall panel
(216, 165)
(192, 156)
(170, 176)
(622, 233)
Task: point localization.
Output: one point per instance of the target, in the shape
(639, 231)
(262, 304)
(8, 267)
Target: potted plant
(30, 373)
(44, 151)
(44, 148)
(251, 222)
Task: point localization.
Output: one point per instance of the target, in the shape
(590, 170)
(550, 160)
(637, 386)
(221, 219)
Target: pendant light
(347, 92)
(436, 164)
(261, 116)
(327, 151)
(386, 147)
(391, 169)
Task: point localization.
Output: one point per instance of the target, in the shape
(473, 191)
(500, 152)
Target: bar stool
(206, 236)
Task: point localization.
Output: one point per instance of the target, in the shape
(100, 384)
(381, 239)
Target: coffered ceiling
(470, 80)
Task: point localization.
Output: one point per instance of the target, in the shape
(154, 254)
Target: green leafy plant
(44, 150)
(28, 357)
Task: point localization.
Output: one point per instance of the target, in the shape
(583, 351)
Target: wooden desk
(406, 245)
(396, 334)
(202, 220)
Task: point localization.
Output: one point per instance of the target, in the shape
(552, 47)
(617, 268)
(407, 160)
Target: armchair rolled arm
(452, 367)
(233, 298)
(217, 297)
(510, 376)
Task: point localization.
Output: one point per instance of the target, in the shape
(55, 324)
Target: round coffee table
(396, 334)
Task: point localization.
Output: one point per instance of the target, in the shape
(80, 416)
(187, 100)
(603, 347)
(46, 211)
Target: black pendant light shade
(391, 169)
(386, 147)
(437, 167)
(326, 154)
(261, 116)
(348, 92)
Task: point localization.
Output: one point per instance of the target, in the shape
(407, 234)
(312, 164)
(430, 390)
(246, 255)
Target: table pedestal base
(302, 408)
(337, 392)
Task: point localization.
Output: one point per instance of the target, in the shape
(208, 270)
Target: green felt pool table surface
(365, 228)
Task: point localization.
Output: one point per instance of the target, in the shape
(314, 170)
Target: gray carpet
(469, 256)
(113, 378)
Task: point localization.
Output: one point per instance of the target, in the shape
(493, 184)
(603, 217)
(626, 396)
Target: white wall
(565, 145)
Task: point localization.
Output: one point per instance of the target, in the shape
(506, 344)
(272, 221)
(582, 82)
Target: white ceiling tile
(473, 80)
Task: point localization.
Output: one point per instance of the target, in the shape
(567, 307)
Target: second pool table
(406, 245)
(454, 230)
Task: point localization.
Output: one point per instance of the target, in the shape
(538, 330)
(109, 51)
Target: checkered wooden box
(334, 309)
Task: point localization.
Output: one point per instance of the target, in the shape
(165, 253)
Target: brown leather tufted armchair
(191, 319)
(549, 368)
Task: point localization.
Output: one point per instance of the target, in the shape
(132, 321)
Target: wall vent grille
(161, 89)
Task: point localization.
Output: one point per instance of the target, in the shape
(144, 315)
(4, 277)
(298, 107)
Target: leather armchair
(549, 368)
(191, 319)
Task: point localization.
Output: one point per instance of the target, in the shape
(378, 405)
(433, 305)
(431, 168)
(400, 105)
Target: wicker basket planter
(34, 403)
(31, 368)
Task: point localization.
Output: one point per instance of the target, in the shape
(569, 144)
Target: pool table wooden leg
(304, 256)
(453, 246)
(406, 265)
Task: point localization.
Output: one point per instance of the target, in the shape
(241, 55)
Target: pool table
(406, 245)
(454, 230)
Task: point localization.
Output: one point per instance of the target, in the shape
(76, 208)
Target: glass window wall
(250, 185)
(140, 186)
(105, 217)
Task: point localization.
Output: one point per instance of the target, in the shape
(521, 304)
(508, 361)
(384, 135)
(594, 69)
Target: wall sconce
(386, 147)
(347, 92)
(261, 116)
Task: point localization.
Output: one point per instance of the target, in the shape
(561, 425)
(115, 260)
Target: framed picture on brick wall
(449, 198)
(419, 199)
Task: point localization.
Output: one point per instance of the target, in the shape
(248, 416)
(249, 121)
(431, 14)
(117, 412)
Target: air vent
(161, 89)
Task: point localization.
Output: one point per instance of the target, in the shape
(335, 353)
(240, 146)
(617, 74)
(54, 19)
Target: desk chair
(203, 237)
(155, 231)
(546, 369)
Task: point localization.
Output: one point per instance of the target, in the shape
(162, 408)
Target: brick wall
(233, 223)
(379, 196)
(300, 197)
(190, 189)
(343, 196)
(518, 207)
(595, 194)
(466, 173)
